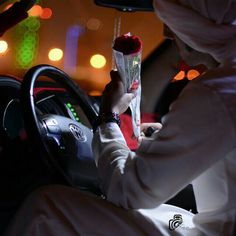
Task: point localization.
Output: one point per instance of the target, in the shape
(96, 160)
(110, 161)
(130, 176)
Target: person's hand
(114, 98)
(147, 129)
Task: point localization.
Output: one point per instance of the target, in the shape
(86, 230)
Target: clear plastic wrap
(127, 51)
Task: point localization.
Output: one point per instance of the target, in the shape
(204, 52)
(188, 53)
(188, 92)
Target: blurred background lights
(70, 55)
(3, 46)
(8, 6)
(93, 24)
(26, 42)
(95, 93)
(180, 75)
(192, 74)
(46, 13)
(55, 54)
(32, 24)
(35, 11)
(98, 61)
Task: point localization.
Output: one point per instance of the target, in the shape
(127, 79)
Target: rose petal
(127, 44)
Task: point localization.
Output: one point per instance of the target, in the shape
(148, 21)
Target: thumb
(129, 96)
(115, 76)
(124, 102)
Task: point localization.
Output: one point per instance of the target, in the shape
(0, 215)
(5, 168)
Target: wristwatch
(106, 118)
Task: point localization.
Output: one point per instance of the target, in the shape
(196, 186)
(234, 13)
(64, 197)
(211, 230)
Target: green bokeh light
(28, 41)
(31, 23)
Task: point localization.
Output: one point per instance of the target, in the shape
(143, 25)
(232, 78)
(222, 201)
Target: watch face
(110, 117)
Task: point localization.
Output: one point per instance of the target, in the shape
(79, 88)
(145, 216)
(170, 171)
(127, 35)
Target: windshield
(76, 30)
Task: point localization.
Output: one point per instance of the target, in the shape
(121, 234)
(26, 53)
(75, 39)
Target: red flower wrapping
(127, 54)
(135, 85)
(127, 44)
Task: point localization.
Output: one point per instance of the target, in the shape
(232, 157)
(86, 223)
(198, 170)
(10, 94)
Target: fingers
(129, 97)
(123, 103)
(116, 83)
(114, 97)
(108, 87)
(115, 76)
(149, 128)
(156, 125)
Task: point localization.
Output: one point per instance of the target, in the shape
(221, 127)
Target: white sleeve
(196, 133)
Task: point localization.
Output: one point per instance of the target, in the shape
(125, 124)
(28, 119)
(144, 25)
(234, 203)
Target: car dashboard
(22, 166)
(18, 147)
(49, 99)
(58, 102)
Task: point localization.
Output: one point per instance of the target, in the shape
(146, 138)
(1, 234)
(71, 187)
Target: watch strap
(106, 118)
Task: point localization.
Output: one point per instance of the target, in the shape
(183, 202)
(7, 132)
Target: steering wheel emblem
(77, 132)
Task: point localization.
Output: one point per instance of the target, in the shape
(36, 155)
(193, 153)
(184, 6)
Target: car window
(80, 29)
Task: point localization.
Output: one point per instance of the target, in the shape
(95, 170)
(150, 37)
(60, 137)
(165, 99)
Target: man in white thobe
(196, 144)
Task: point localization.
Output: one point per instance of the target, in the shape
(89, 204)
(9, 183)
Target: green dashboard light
(73, 111)
(69, 105)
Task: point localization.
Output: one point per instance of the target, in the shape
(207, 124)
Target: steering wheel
(65, 144)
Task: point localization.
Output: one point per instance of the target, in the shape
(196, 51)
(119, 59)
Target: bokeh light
(95, 93)
(26, 44)
(32, 24)
(93, 24)
(55, 54)
(27, 49)
(35, 11)
(46, 13)
(180, 75)
(192, 74)
(3, 46)
(98, 61)
(8, 6)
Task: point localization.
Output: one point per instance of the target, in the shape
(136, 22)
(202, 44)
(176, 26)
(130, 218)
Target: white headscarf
(208, 26)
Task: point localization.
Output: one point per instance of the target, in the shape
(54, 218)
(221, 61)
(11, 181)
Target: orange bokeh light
(35, 11)
(8, 6)
(180, 75)
(95, 93)
(192, 74)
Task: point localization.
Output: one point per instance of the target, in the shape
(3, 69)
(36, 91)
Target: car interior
(50, 90)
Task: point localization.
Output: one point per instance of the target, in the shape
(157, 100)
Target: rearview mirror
(126, 5)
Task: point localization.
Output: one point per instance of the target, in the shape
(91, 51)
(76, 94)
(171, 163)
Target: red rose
(127, 44)
(135, 85)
